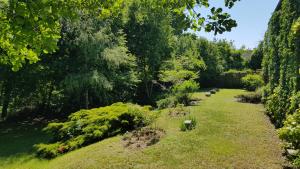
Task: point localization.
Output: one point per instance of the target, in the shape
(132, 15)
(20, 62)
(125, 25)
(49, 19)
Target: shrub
(255, 97)
(290, 133)
(168, 102)
(88, 126)
(252, 82)
(182, 92)
(295, 102)
(277, 106)
(188, 124)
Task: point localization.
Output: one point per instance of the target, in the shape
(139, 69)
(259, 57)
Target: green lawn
(228, 135)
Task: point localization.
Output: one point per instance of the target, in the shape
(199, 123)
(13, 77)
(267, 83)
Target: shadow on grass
(18, 138)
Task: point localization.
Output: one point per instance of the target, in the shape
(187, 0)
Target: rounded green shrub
(252, 82)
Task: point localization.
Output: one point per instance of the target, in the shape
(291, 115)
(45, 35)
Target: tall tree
(30, 28)
(98, 62)
(256, 57)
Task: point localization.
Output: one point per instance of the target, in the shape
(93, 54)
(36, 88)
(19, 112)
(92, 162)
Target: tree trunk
(49, 97)
(6, 99)
(86, 99)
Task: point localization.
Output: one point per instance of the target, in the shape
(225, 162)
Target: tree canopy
(32, 28)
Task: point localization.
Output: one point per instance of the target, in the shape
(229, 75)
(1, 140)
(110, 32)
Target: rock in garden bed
(142, 138)
(207, 94)
(213, 91)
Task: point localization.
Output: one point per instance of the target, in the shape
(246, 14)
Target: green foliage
(277, 106)
(253, 97)
(99, 65)
(256, 57)
(182, 91)
(188, 124)
(290, 133)
(181, 73)
(296, 27)
(88, 126)
(232, 78)
(35, 26)
(167, 102)
(213, 61)
(252, 82)
(230, 57)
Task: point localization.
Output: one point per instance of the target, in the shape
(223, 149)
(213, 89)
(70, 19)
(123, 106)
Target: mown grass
(228, 134)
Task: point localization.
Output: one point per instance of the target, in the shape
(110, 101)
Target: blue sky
(252, 17)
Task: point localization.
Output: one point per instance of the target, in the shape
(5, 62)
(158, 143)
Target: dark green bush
(88, 126)
(255, 97)
(252, 82)
(166, 102)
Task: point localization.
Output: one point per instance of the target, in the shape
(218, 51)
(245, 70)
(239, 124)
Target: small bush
(295, 102)
(252, 82)
(88, 126)
(182, 92)
(250, 97)
(290, 133)
(188, 124)
(168, 102)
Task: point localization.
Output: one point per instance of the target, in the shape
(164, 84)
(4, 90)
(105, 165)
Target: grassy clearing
(228, 135)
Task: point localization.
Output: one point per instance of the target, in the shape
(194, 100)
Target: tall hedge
(281, 60)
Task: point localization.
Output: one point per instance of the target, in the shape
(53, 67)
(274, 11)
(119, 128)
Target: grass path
(228, 135)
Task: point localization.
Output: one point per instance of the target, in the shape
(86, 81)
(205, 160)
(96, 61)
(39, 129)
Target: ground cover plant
(88, 126)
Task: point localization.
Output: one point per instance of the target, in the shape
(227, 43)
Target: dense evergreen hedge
(281, 60)
(232, 79)
(281, 72)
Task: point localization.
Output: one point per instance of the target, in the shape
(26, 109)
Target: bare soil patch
(142, 138)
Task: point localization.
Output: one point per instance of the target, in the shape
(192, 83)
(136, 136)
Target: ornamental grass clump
(89, 126)
(188, 124)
